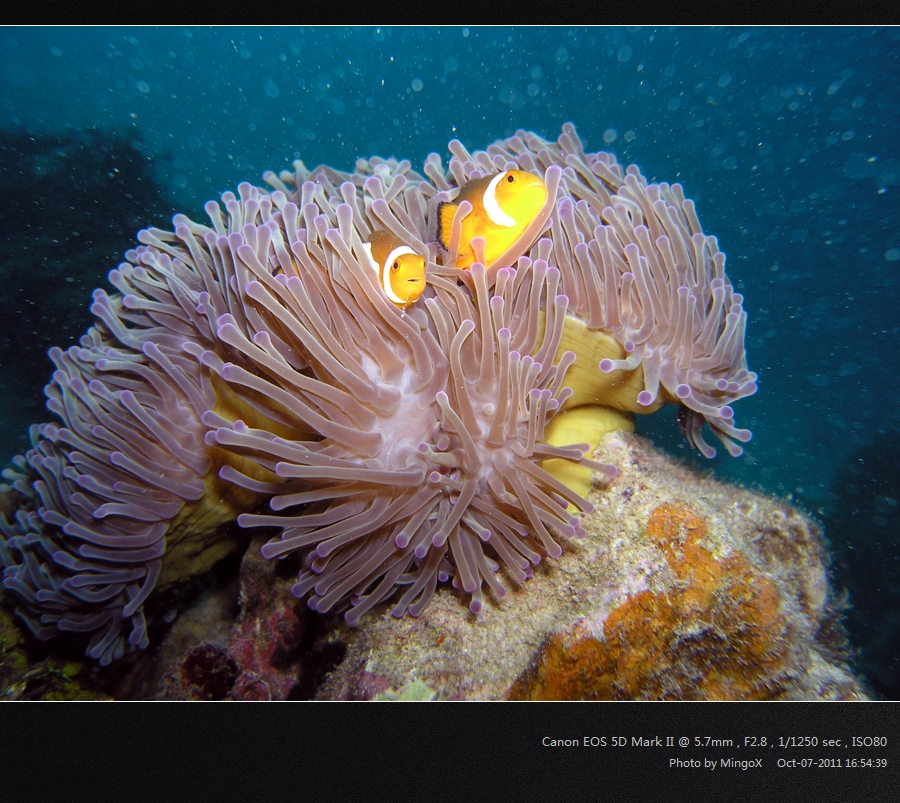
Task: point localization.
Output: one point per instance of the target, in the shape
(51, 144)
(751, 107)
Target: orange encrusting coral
(717, 633)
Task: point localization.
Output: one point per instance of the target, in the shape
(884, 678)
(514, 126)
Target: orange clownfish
(400, 270)
(502, 207)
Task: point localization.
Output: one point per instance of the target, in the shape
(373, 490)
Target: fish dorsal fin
(473, 190)
(446, 211)
(381, 243)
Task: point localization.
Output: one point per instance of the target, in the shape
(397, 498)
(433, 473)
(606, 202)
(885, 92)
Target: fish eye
(510, 178)
(395, 266)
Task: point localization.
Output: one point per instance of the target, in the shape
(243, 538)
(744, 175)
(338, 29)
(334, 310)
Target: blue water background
(787, 139)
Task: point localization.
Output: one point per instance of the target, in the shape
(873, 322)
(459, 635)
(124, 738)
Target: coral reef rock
(259, 658)
(684, 588)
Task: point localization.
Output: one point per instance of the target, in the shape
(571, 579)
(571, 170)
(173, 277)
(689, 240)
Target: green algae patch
(24, 676)
(416, 692)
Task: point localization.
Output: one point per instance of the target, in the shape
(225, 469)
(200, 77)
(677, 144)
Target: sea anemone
(636, 266)
(258, 360)
(119, 500)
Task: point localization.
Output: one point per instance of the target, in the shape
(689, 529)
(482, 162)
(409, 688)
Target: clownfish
(502, 207)
(400, 270)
